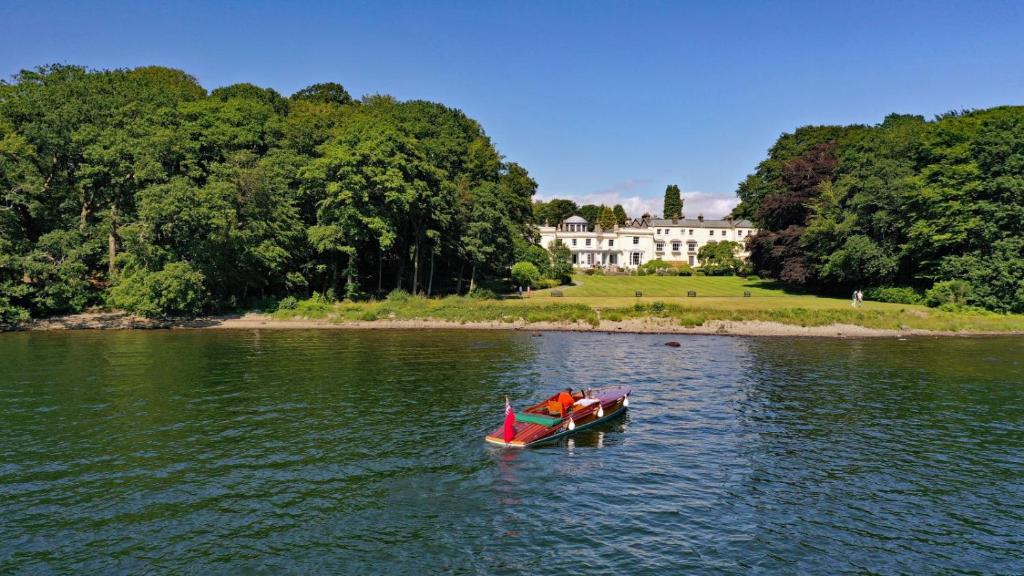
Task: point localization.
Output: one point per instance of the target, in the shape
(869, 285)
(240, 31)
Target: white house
(643, 240)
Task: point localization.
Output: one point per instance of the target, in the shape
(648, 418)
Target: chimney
(700, 218)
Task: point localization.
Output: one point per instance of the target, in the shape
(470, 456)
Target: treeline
(139, 189)
(554, 211)
(901, 208)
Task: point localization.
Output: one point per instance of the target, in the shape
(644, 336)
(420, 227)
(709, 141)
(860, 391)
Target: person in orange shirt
(566, 400)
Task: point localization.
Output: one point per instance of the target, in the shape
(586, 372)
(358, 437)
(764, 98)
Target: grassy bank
(612, 299)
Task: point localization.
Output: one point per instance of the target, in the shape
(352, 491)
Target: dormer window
(588, 241)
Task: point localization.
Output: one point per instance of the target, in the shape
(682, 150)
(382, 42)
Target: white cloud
(711, 205)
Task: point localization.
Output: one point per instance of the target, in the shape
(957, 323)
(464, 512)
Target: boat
(546, 422)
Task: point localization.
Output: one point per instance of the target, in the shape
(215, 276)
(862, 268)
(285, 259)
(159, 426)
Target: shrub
(588, 272)
(954, 292)
(700, 272)
(894, 294)
(753, 278)
(669, 272)
(398, 295)
(11, 315)
(525, 274)
(288, 303)
(176, 290)
(597, 272)
(548, 283)
(482, 294)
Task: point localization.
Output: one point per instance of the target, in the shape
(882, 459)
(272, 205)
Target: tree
(719, 258)
(673, 202)
(620, 215)
(555, 211)
(324, 93)
(606, 218)
(590, 213)
(525, 274)
(561, 262)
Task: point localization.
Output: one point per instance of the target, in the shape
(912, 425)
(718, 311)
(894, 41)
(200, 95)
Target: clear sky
(600, 101)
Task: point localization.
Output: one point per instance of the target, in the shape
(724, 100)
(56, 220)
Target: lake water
(355, 452)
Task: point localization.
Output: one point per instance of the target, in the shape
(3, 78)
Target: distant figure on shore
(858, 298)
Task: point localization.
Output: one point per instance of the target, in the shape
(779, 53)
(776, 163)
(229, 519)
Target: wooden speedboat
(547, 421)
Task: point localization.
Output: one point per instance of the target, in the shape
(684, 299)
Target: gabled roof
(575, 220)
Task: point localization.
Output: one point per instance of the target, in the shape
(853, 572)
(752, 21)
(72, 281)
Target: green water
(267, 452)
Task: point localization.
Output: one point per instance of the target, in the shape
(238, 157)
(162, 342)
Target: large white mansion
(644, 239)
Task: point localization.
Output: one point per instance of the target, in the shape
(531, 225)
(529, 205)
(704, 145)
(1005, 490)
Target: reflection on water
(351, 452)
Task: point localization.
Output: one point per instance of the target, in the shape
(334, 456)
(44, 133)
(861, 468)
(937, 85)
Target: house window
(588, 241)
(711, 232)
(692, 246)
(611, 243)
(634, 258)
(675, 246)
(636, 239)
(661, 246)
(573, 241)
(691, 231)
(575, 259)
(613, 258)
(659, 231)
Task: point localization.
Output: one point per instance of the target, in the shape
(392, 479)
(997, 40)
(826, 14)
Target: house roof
(575, 220)
(695, 223)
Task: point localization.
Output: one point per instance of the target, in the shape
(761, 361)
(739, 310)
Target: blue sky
(601, 101)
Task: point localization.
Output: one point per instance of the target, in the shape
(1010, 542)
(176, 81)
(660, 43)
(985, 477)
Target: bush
(700, 272)
(11, 315)
(597, 272)
(177, 290)
(525, 274)
(588, 272)
(548, 283)
(482, 294)
(753, 278)
(288, 303)
(952, 292)
(398, 295)
(894, 294)
(668, 272)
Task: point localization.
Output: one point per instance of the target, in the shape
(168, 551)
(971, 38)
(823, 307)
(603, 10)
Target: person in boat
(566, 399)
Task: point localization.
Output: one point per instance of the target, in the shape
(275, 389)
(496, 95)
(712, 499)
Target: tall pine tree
(673, 202)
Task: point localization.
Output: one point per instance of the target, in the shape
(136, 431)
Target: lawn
(613, 298)
(669, 286)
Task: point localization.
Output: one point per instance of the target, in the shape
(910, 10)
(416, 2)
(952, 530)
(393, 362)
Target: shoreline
(648, 325)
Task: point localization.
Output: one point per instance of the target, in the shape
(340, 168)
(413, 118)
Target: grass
(597, 298)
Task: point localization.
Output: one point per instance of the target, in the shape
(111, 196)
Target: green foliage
(176, 290)
(895, 295)
(902, 203)
(607, 219)
(948, 292)
(561, 262)
(719, 258)
(110, 177)
(548, 283)
(620, 215)
(673, 202)
(482, 294)
(525, 274)
(288, 303)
